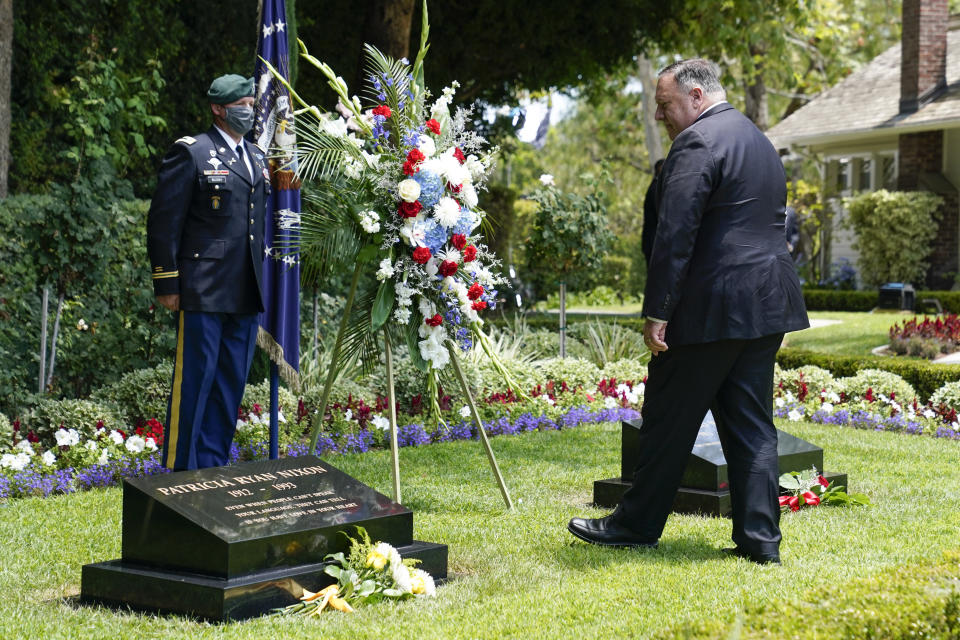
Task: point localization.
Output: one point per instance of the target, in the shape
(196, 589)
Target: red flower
(869, 395)
(415, 156)
(433, 125)
(784, 501)
(794, 503)
(382, 110)
(459, 155)
(479, 305)
(470, 254)
(410, 168)
(421, 255)
(435, 321)
(475, 291)
(459, 241)
(823, 482)
(456, 188)
(810, 498)
(447, 268)
(409, 209)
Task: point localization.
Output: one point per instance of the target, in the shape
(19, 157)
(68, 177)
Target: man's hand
(653, 336)
(171, 301)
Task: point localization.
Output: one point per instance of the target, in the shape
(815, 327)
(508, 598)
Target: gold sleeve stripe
(173, 428)
(168, 274)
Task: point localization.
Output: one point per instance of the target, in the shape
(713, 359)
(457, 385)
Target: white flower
(370, 221)
(432, 267)
(412, 234)
(779, 402)
(550, 401)
(348, 415)
(117, 437)
(67, 437)
(408, 190)
(402, 315)
(640, 388)
(385, 271)
(427, 146)
(17, 462)
(104, 456)
(353, 169)
(423, 581)
(928, 413)
(469, 195)
(475, 167)
(280, 417)
(82, 325)
(241, 424)
(450, 254)
(49, 459)
(546, 180)
(469, 312)
(255, 419)
(833, 397)
(151, 444)
(404, 294)
(27, 448)
(609, 402)
(433, 351)
(464, 411)
(826, 406)
(336, 127)
(447, 212)
(632, 397)
(795, 415)
(91, 445)
(381, 423)
(135, 444)
(401, 577)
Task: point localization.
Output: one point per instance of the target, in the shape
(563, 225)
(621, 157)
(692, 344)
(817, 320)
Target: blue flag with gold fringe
(273, 130)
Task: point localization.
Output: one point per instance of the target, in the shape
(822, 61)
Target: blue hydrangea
(431, 188)
(467, 223)
(434, 235)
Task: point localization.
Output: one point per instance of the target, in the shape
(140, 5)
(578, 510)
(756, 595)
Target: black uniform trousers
(734, 379)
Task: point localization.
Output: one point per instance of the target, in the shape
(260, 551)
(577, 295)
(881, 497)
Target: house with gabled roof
(893, 124)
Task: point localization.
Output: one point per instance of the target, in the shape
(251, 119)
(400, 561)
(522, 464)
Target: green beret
(230, 88)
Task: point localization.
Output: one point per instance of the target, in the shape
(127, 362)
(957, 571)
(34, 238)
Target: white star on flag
(266, 252)
(267, 31)
(279, 26)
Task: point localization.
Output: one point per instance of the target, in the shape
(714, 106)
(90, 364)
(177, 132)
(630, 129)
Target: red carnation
(421, 255)
(435, 321)
(475, 291)
(382, 110)
(458, 240)
(455, 188)
(470, 254)
(415, 156)
(459, 155)
(409, 209)
(433, 125)
(479, 305)
(447, 268)
(410, 168)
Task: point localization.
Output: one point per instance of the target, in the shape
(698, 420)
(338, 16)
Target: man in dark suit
(205, 239)
(649, 232)
(721, 291)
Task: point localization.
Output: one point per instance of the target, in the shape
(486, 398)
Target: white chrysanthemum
(408, 190)
(402, 315)
(379, 422)
(484, 276)
(475, 167)
(546, 180)
(423, 584)
(401, 577)
(27, 448)
(427, 146)
(116, 437)
(447, 212)
(135, 444)
(450, 254)
(48, 458)
(385, 271)
(469, 195)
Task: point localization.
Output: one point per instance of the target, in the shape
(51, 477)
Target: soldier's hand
(171, 301)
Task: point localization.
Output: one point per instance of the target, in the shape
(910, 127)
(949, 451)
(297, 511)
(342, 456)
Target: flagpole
(274, 411)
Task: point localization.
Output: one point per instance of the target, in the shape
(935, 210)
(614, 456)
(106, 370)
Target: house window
(843, 176)
(864, 172)
(887, 174)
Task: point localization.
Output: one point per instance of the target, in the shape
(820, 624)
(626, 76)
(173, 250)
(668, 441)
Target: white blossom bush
(948, 394)
(626, 369)
(574, 371)
(881, 383)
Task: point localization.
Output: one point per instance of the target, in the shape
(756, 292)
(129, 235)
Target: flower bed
(927, 338)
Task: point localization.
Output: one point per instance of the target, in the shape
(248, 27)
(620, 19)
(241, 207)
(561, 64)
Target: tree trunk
(755, 96)
(387, 28)
(651, 132)
(6, 67)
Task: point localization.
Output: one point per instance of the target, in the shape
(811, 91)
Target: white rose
(409, 190)
(427, 146)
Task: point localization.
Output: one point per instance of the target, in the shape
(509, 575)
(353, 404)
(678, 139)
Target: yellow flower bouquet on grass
(368, 573)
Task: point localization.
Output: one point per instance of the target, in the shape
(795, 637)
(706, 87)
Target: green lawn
(520, 574)
(855, 334)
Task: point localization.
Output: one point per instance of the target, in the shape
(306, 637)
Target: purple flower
(412, 435)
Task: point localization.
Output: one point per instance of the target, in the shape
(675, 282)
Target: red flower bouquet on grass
(809, 488)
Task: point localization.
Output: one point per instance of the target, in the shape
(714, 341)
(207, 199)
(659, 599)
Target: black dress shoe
(605, 532)
(764, 558)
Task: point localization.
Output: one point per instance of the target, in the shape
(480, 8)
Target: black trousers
(734, 379)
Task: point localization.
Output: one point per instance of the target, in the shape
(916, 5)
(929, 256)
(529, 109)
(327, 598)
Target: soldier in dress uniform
(205, 239)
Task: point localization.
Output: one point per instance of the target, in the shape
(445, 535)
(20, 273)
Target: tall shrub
(895, 231)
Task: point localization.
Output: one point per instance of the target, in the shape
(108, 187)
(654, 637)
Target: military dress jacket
(206, 224)
(720, 268)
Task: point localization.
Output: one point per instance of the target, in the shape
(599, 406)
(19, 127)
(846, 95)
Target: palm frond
(360, 344)
(319, 154)
(329, 236)
(383, 67)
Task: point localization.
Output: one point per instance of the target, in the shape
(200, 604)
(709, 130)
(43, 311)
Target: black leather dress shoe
(765, 558)
(605, 532)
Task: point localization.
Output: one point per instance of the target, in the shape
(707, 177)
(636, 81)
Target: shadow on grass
(580, 556)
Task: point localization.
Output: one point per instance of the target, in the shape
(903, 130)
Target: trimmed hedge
(924, 376)
(836, 300)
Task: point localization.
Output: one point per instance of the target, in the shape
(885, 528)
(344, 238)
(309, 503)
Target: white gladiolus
(427, 146)
(385, 271)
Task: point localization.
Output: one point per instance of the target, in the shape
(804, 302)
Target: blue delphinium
(431, 188)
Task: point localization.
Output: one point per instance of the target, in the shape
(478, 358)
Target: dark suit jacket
(720, 267)
(649, 220)
(205, 226)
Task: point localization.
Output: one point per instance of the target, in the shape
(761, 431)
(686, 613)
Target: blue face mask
(239, 118)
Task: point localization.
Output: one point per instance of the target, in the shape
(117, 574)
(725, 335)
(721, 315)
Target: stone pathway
(816, 323)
